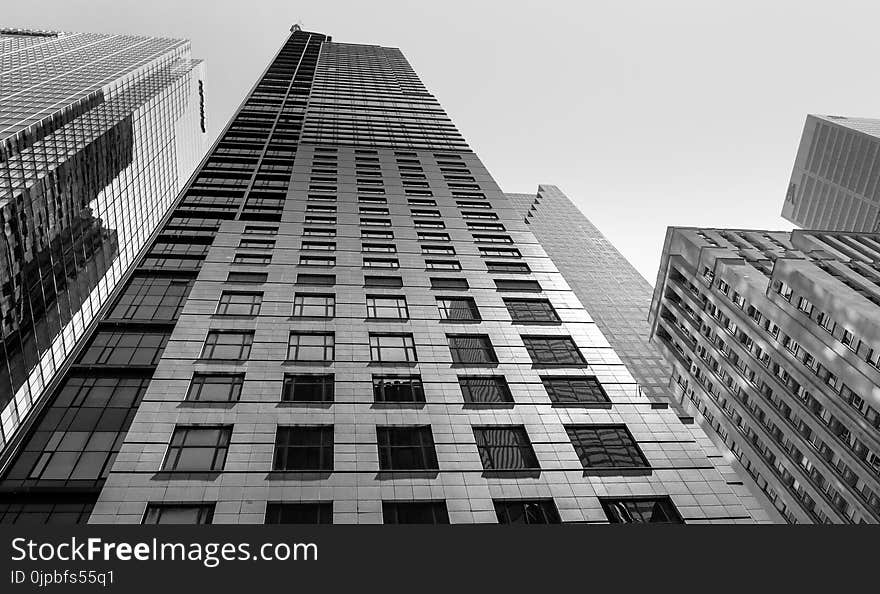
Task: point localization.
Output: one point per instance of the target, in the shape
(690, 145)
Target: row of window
(309, 448)
(486, 389)
(630, 510)
(556, 351)
(318, 305)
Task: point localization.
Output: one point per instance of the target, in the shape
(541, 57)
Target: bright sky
(646, 113)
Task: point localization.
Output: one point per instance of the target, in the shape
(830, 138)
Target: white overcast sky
(646, 113)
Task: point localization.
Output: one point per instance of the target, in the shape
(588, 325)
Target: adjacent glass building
(835, 183)
(344, 320)
(98, 133)
(774, 340)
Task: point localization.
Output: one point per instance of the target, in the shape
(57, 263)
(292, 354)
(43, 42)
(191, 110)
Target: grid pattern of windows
(505, 448)
(304, 448)
(197, 449)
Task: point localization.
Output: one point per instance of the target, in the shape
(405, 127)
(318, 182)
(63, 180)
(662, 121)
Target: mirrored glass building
(98, 133)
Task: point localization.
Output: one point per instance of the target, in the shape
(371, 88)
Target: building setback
(98, 133)
(367, 333)
(835, 183)
(774, 339)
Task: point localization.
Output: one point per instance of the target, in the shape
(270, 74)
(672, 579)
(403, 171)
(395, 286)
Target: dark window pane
(505, 448)
(398, 388)
(641, 510)
(304, 448)
(531, 310)
(198, 449)
(471, 348)
(415, 512)
(218, 387)
(406, 448)
(308, 388)
(160, 513)
(300, 513)
(575, 390)
(485, 389)
(458, 308)
(536, 511)
(606, 446)
(554, 350)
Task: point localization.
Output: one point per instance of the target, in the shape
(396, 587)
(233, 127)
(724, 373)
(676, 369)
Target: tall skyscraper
(774, 339)
(615, 295)
(98, 133)
(835, 183)
(343, 319)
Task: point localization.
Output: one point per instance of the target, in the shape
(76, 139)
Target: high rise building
(98, 133)
(835, 183)
(343, 319)
(616, 297)
(774, 338)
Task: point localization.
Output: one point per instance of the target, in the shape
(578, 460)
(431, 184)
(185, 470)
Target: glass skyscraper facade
(344, 320)
(835, 183)
(98, 133)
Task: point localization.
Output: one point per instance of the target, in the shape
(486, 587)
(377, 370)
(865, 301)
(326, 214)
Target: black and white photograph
(276, 276)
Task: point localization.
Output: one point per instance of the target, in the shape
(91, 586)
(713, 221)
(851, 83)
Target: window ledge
(392, 364)
(489, 405)
(298, 475)
(536, 322)
(597, 405)
(512, 473)
(305, 404)
(187, 475)
(405, 404)
(462, 365)
(619, 471)
(307, 363)
(400, 474)
(219, 404)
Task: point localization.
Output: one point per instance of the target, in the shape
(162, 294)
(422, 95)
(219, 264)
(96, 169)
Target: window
(438, 250)
(222, 344)
(365, 222)
(120, 347)
(460, 284)
(526, 511)
(255, 230)
(509, 268)
(317, 261)
(398, 388)
(254, 278)
(442, 265)
(483, 238)
(485, 226)
(391, 282)
(253, 259)
(484, 389)
(373, 234)
(317, 232)
(172, 513)
(493, 252)
(386, 248)
(236, 303)
(471, 348)
(406, 448)
(414, 512)
(387, 307)
(517, 285)
(419, 212)
(319, 220)
(575, 390)
(458, 309)
(421, 201)
(215, 387)
(381, 263)
(505, 448)
(312, 305)
(303, 346)
(427, 224)
(606, 446)
(307, 387)
(300, 513)
(256, 244)
(316, 279)
(428, 236)
(152, 297)
(304, 448)
(531, 310)
(197, 449)
(480, 216)
(386, 348)
(641, 510)
(554, 351)
(325, 246)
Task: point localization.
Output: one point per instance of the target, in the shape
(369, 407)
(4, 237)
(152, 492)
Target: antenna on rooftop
(297, 26)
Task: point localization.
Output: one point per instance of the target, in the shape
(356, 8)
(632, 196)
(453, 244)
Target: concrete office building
(98, 134)
(774, 339)
(835, 183)
(348, 322)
